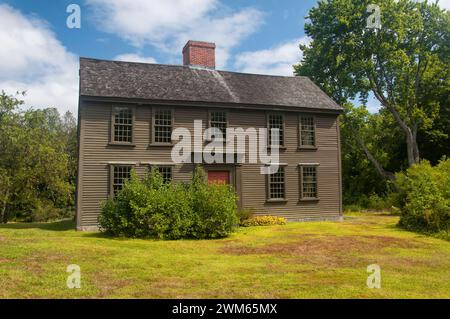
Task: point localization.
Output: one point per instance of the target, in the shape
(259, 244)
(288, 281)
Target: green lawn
(299, 260)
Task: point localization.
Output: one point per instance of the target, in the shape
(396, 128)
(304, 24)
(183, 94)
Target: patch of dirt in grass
(326, 250)
(4, 260)
(36, 261)
(107, 284)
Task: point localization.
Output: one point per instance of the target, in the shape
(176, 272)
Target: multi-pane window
(120, 174)
(277, 184)
(276, 121)
(123, 124)
(307, 131)
(162, 126)
(218, 119)
(166, 173)
(309, 181)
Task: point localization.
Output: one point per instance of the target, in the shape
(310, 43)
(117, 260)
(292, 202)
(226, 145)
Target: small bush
(244, 214)
(424, 197)
(264, 221)
(45, 211)
(152, 208)
(352, 208)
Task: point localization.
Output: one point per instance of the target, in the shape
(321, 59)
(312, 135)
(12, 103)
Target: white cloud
(32, 59)
(169, 24)
(134, 57)
(444, 4)
(275, 61)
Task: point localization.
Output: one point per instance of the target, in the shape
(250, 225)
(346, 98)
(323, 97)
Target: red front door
(219, 177)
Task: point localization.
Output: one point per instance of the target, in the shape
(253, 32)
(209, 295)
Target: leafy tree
(34, 164)
(404, 64)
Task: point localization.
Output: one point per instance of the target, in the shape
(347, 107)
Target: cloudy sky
(39, 53)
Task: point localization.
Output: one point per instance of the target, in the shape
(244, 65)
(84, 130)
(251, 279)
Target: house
(128, 112)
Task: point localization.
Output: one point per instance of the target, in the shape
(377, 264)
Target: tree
(34, 164)
(404, 64)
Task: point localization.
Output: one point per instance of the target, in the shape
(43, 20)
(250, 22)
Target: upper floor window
(277, 187)
(218, 119)
(162, 125)
(307, 131)
(308, 182)
(120, 173)
(276, 121)
(122, 130)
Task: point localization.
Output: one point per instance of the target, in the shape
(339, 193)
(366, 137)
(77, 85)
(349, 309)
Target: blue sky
(39, 53)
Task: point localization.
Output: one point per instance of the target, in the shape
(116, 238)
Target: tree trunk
(383, 173)
(410, 133)
(4, 215)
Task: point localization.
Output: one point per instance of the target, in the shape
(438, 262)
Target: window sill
(281, 148)
(121, 144)
(276, 200)
(307, 148)
(309, 199)
(160, 144)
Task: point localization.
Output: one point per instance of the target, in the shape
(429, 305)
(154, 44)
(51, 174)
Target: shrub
(264, 221)
(244, 214)
(45, 211)
(424, 197)
(214, 206)
(152, 208)
(148, 208)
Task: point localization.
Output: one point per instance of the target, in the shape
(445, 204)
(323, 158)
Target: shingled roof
(114, 79)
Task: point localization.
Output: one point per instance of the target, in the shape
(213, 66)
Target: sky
(39, 53)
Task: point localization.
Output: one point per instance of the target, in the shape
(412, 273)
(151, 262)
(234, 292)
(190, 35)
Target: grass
(297, 260)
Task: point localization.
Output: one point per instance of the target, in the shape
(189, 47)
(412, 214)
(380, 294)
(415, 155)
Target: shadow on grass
(62, 225)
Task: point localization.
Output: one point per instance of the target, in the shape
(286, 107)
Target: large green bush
(152, 208)
(424, 197)
(214, 207)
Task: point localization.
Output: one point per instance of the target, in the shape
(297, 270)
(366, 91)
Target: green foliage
(263, 221)
(47, 212)
(424, 197)
(152, 208)
(214, 206)
(373, 202)
(34, 162)
(244, 214)
(380, 137)
(404, 65)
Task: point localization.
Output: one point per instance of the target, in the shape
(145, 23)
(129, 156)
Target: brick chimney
(197, 53)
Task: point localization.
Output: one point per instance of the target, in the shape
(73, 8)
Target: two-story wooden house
(128, 111)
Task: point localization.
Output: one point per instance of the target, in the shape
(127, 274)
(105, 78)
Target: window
(307, 131)
(166, 173)
(218, 119)
(122, 130)
(162, 126)
(276, 184)
(276, 121)
(309, 182)
(120, 174)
